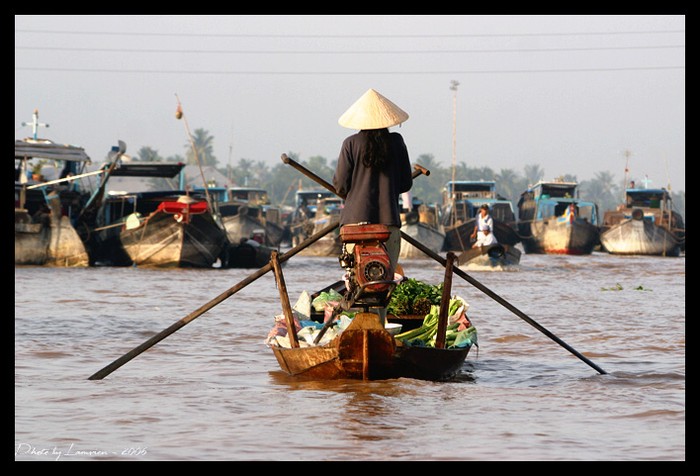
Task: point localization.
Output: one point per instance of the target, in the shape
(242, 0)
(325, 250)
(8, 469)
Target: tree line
(281, 180)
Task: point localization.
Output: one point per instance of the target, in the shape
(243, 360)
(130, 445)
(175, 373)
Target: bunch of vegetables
(414, 297)
(426, 334)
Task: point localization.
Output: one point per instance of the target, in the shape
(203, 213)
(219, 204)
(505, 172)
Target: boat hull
(494, 257)
(553, 236)
(639, 237)
(51, 243)
(242, 227)
(31, 240)
(161, 241)
(366, 351)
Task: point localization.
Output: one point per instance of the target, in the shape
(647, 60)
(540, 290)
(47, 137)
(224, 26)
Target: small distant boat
(645, 224)
(553, 220)
(46, 211)
(315, 210)
(490, 257)
(460, 208)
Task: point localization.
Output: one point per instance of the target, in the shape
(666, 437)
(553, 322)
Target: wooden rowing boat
(365, 350)
(490, 257)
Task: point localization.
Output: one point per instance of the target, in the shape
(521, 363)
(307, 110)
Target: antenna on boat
(35, 123)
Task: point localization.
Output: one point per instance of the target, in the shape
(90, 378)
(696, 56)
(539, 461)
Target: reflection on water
(213, 390)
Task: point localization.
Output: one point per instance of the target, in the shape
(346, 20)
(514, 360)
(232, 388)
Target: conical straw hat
(372, 111)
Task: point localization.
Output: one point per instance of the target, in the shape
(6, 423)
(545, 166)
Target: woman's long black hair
(377, 153)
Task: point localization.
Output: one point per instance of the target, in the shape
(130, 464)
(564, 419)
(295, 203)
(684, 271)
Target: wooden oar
(284, 297)
(459, 272)
(500, 300)
(445, 302)
(100, 374)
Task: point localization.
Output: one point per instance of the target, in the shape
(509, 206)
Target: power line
(299, 73)
(349, 36)
(336, 52)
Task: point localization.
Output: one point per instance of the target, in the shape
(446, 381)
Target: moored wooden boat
(181, 232)
(45, 211)
(645, 225)
(637, 236)
(553, 220)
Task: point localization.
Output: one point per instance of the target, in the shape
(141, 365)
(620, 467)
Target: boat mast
(35, 123)
(179, 115)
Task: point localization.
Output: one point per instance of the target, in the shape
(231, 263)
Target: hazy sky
(570, 93)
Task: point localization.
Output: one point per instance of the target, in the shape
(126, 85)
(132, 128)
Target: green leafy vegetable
(414, 297)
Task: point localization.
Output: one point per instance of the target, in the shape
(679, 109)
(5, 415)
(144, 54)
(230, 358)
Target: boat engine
(370, 276)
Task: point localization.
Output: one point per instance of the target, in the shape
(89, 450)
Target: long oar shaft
(99, 375)
(418, 170)
(500, 300)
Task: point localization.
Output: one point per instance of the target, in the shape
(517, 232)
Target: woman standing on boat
(373, 167)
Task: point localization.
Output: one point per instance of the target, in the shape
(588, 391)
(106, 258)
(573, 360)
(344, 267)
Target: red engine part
(364, 232)
(370, 259)
(372, 264)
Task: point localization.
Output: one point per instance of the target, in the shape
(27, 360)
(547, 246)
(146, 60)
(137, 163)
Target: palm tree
(148, 154)
(533, 174)
(507, 183)
(203, 144)
(242, 174)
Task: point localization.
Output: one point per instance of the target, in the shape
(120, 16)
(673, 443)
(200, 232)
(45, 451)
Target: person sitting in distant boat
(483, 231)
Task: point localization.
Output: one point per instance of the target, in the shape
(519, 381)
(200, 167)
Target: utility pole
(453, 87)
(627, 154)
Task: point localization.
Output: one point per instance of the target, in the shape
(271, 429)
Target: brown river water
(214, 391)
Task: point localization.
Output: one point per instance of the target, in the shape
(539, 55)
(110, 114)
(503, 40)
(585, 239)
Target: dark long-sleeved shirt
(372, 196)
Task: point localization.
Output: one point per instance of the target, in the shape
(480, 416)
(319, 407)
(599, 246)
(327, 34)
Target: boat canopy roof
(148, 169)
(647, 197)
(46, 149)
(555, 189)
(470, 186)
(253, 195)
(305, 196)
